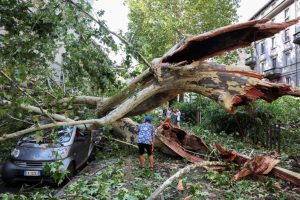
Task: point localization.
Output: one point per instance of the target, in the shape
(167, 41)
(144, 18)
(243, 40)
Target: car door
(81, 144)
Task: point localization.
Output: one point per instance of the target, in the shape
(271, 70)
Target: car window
(64, 134)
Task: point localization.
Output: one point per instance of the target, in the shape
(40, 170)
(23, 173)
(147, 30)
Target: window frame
(262, 65)
(287, 14)
(262, 48)
(274, 64)
(273, 42)
(286, 58)
(287, 37)
(288, 80)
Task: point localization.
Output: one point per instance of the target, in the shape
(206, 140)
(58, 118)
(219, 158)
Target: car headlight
(15, 153)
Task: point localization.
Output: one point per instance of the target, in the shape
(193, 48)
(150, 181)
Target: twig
(250, 154)
(4, 124)
(123, 142)
(179, 173)
(19, 119)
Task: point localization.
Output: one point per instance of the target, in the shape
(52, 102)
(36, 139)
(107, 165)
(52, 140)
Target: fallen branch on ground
(120, 141)
(179, 173)
(279, 172)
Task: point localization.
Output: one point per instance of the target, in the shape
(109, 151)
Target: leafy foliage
(157, 25)
(41, 35)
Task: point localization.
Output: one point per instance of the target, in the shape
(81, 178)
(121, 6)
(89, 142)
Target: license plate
(32, 173)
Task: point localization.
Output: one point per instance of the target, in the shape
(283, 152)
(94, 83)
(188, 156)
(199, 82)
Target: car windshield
(56, 135)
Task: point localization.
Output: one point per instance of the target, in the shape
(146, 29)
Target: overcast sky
(116, 12)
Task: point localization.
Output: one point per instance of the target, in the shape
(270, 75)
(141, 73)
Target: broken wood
(279, 172)
(182, 171)
(256, 166)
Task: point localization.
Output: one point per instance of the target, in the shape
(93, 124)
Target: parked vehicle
(69, 144)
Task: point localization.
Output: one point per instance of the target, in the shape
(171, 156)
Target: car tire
(92, 155)
(72, 170)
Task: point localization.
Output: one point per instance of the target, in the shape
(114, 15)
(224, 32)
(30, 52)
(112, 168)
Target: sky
(116, 13)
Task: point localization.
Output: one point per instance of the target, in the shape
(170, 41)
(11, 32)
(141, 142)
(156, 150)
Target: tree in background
(156, 25)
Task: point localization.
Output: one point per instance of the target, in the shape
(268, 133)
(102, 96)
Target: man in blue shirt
(146, 139)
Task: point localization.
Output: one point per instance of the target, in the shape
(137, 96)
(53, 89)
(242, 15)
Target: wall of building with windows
(278, 57)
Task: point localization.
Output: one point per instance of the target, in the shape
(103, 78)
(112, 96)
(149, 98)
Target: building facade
(278, 57)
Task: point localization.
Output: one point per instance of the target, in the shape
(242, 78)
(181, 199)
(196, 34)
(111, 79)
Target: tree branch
(42, 127)
(91, 100)
(19, 119)
(182, 171)
(114, 115)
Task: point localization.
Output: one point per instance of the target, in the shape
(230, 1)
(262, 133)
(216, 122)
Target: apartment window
(288, 58)
(262, 65)
(288, 80)
(273, 42)
(262, 47)
(287, 35)
(274, 62)
(287, 14)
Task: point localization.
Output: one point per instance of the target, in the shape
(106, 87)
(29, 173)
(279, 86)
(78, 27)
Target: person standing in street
(178, 117)
(146, 140)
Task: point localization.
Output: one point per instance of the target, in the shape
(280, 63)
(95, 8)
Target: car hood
(41, 153)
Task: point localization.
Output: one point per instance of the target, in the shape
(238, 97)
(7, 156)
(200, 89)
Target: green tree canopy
(35, 31)
(156, 25)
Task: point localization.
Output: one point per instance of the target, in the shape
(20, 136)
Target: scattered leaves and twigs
(120, 141)
(179, 173)
(72, 196)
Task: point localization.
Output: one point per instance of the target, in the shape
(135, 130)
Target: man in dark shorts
(146, 139)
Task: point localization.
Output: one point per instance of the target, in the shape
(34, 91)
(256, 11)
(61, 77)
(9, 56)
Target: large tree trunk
(183, 69)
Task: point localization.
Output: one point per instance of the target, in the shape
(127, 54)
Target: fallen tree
(184, 69)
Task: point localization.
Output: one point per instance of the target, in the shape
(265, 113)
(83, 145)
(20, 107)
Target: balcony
(272, 73)
(251, 62)
(296, 38)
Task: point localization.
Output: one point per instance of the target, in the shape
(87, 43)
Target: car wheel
(92, 155)
(72, 170)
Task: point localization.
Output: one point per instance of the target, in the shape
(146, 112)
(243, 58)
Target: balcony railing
(297, 38)
(273, 73)
(251, 62)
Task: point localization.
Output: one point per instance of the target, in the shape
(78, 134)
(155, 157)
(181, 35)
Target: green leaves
(157, 25)
(56, 171)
